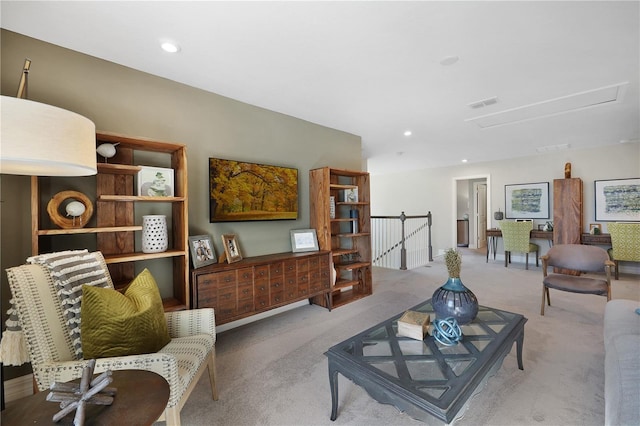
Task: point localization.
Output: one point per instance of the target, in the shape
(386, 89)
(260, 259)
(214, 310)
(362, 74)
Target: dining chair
(625, 243)
(516, 237)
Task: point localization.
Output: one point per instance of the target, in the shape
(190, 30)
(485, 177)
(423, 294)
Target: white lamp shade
(42, 140)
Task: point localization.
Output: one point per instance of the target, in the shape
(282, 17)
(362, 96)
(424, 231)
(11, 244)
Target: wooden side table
(141, 398)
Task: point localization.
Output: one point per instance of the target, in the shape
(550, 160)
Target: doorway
(472, 195)
(480, 213)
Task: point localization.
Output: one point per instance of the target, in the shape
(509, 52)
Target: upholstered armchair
(625, 243)
(516, 238)
(576, 257)
(190, 352)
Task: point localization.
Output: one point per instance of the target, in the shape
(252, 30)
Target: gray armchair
(579, 258)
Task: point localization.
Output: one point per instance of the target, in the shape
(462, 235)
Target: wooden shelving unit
(115, 201)
(347, 237)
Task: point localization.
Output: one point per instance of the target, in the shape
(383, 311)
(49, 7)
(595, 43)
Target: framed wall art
(304, 240)
(231, 248)
(202, 250)
(527, 201)
(155, 182)
(240, 191)
(617, 200)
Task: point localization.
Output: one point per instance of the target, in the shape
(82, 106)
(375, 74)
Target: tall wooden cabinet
(113, 224)
(341, 215)
(567, 214)
(567, 211)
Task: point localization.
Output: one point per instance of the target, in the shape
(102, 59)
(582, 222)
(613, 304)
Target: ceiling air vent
(570, 103)
(551, 148)
(483, 103)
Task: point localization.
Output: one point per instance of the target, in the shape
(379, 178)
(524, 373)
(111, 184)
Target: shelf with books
(340, 213)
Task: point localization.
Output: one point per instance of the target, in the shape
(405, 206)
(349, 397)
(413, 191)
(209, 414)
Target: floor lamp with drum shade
(37, 139)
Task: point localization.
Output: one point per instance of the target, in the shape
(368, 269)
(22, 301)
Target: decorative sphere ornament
(107, 150)
(75, 208)
(447, 331)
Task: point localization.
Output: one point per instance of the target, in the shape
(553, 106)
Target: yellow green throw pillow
(116, 324)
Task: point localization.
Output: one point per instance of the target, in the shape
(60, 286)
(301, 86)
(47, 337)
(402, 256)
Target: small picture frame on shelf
(203, 252)
(541, 227)
(231, 248)
(595, 228)
(304, 240)
(155, 182)
(350, 195)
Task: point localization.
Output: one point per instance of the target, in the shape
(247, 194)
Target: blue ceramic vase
(455, 300)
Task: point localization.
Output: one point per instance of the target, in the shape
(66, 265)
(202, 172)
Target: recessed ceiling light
(464, 160)
(408, 133)
(449, 60)
(169, 46)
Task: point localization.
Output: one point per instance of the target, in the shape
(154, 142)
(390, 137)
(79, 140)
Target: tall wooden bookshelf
(114, 214)
(341, 215)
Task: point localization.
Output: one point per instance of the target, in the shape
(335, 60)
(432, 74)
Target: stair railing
(401, 242)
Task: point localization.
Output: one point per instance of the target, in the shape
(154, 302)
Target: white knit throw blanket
(69, 270)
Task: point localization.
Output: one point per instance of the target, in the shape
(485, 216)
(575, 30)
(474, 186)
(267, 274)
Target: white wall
(417, 192)
(463, 202)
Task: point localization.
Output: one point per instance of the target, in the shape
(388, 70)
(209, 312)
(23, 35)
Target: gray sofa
(622, 363)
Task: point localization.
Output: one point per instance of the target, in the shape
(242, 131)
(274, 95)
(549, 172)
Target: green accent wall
(122, 100)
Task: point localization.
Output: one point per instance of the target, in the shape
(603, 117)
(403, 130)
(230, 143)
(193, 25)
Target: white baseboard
(256, 317)
(18, 388)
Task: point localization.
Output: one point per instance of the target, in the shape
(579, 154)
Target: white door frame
(476, 186)
(454, 202)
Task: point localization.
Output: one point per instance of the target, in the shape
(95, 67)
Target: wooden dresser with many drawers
(257, 284)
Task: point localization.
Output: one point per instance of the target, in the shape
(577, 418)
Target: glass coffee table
(423, 377)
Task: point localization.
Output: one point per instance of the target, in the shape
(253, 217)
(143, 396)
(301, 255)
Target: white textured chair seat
(181, 362)
(188, 354)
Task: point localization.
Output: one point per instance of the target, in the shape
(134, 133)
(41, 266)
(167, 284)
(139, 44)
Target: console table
(595, 239)
(258, 284)
(585, 238)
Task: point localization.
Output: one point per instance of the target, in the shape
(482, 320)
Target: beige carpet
(273, 372)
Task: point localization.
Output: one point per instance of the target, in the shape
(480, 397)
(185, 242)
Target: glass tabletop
(427, 368)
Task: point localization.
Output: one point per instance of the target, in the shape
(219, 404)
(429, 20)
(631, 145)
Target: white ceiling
(373, 68)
